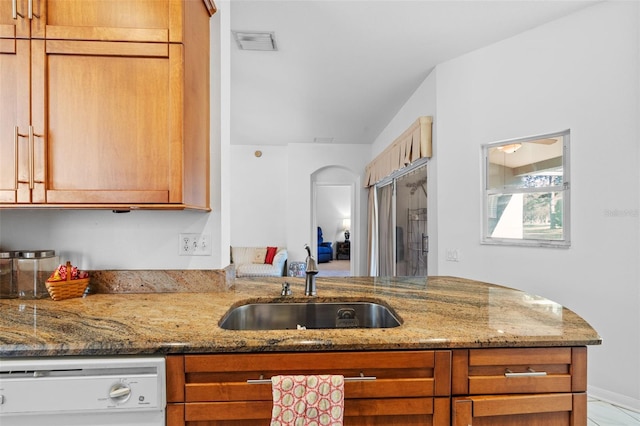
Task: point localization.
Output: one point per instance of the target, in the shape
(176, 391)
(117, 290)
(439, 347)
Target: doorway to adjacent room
(334, 211)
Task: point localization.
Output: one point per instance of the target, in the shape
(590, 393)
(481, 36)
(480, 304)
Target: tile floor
(600, 413)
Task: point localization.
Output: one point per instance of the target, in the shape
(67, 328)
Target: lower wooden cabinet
(410, 388)
(519, 387)
(562, 409)
(460, 387)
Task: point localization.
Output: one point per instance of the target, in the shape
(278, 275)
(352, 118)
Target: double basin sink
(309, 315)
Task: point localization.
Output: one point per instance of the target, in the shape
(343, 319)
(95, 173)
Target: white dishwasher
(82, 391)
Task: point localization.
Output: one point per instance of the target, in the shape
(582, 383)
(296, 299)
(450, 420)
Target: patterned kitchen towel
(307, 400)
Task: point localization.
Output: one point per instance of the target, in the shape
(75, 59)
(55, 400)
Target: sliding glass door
(412, 241)
(403, 241)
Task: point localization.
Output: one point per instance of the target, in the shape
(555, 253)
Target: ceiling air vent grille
(252, 40)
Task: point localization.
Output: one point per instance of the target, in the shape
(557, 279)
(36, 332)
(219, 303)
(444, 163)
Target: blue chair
(325, 251)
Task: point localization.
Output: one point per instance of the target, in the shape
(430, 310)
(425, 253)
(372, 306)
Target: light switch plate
(194, 245)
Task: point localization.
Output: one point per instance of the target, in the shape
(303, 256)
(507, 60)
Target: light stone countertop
(441, 312)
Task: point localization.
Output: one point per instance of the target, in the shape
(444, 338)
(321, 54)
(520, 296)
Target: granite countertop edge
(437, 313)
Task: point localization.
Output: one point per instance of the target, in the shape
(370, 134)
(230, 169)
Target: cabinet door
(14, 120)
(14, 21)
(109, 20)
(113, 117)
(409, 387)
(106, 20)
(521, 410)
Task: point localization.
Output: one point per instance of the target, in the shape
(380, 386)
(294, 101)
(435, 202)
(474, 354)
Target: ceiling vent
(323, 139)
(252, 40)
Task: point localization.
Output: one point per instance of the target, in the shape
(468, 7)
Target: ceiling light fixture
(253, 40)
(510, 149)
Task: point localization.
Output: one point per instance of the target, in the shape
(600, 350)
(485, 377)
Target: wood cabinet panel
(14, 119)
(548, 387)
(174, 367)
(10, 27)
(489, 371)
(9, 67)
(520, 410)
(87, 151)
(216, 390)
(138, 20)
(401, 411)
(412, 387)
(106, 123)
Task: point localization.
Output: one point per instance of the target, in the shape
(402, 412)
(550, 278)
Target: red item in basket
(60, 274)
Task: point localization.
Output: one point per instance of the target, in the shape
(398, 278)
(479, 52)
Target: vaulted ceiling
(344, 68)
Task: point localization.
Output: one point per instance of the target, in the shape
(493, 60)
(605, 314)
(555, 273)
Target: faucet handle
(286, 290)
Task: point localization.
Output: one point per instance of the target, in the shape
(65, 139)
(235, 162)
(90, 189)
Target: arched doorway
(335, 208)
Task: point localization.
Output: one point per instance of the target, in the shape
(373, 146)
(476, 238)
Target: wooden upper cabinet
(12, 25)
(106, 105)
(107, 20)
(8, 123)
(114, 122)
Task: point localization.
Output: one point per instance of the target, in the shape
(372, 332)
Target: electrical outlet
(194, 245)
(453, 255)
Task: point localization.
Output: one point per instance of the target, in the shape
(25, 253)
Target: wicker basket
(67, 289)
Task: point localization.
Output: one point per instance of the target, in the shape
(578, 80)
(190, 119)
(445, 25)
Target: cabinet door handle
(31, 160)
(346, 379)
(17, 135)
(30, 13)
(14, 10)
(529, 373)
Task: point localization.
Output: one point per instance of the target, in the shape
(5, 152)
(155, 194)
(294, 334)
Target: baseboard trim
(614, 398)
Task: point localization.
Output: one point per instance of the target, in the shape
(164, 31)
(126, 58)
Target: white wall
(272, 194)
(143, 239)
(580, 73)
(421, 103)
(259, 202)
(305, 160)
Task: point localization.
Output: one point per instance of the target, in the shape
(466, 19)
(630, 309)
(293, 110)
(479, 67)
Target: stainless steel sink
(293, 315)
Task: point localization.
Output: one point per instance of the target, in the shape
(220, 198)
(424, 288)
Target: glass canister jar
(8, 283)
(32, 268)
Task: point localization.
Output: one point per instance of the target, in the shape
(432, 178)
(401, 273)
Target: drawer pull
(529, 373)
(361, 378)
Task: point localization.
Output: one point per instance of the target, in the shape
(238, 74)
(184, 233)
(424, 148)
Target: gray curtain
(385, 235)
(372, 242)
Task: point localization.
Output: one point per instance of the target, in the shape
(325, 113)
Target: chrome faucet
(311, 271)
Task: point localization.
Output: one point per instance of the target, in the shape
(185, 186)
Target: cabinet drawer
(409, 387)
(526, 370)
(261, 410)
(563, 409)
(409, 374)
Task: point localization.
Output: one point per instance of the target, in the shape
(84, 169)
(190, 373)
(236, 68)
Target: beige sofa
(250, 262)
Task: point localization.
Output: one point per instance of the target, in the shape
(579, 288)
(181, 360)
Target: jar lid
(8, 254)
(35, 254)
